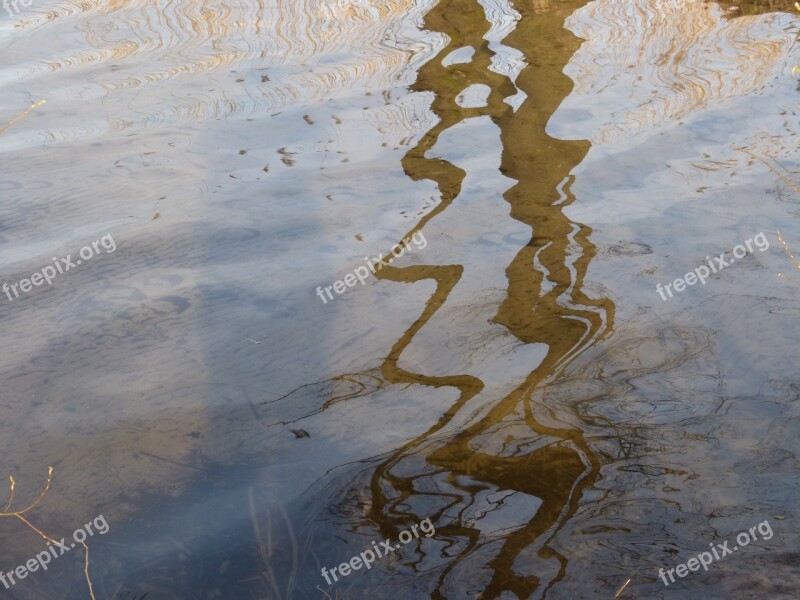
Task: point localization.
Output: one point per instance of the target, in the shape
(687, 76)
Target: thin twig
(789, 252)
(771, 168)
(22, 115)
(624, 585)
(11, 497)
(7, 512)
(265, 553)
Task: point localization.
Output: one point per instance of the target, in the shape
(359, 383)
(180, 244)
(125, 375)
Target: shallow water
(515, 376)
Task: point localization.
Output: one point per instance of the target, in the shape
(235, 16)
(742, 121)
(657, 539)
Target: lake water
(582, 367)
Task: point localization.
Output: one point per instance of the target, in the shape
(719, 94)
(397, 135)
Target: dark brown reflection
(755, 7)
(543, 304)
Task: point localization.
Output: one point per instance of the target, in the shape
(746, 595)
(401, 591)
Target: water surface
(517, 379)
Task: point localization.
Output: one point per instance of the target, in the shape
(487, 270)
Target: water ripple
(678, 55)
(207, 60)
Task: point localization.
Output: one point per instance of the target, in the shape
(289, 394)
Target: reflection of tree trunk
(545, 304)
(465, 22)
(550, 474)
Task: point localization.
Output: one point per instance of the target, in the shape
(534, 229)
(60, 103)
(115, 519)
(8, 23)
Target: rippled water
(517, 378)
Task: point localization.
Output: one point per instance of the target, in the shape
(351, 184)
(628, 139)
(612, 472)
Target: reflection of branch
(624, 585)
(18, 514)
(34, 503)
(11, 497)
(771, 168)
(791, 256)
(360, 389)
(21, 116)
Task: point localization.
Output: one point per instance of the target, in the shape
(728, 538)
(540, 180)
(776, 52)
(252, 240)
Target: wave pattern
(680, 55)
(213, 59)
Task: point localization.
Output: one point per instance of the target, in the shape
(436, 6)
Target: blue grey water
(518, 380)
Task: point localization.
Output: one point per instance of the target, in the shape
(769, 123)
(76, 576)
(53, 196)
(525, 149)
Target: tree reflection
(545, 303)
